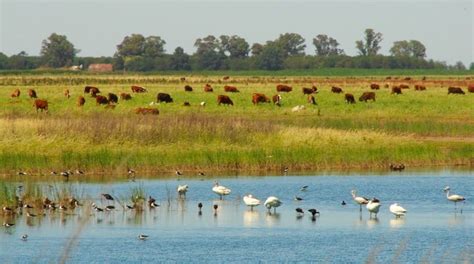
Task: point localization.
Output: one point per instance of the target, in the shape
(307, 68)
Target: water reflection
(251, 218)
(372, 222)
(397, 222)
(272, 219)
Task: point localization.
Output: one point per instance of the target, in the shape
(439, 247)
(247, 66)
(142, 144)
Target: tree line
(147, 53)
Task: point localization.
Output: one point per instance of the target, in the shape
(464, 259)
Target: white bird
(453, 197)
(397, 210)
(359, 199)
(251, 201)
(272, 202)
(373, 207)
(220, 190)
(182, 189)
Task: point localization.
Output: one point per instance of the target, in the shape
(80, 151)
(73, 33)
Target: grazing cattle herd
(111, 100)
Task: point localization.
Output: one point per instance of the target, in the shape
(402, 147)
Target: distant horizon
(444, 27)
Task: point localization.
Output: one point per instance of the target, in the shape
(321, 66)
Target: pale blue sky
(96, 27)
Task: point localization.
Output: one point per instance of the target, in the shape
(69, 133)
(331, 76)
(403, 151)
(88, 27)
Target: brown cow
(94, 91)
(16, 93)
(147, 111)
(224, 99)
(99, 99)
(374, 86)
(41, 105)
(349, 98)
(470, 88)
(164, 97)
(311, 90)
(208, 88)
(336, 89)
(125, 96)
(396, 90)
(32, 93)
(455, 90)
(276, 99)
(88, 89)
(231, 89)
(284, 88)
(81, 101)
(138, 89)
(226, 78)
(188, 88)
(407, 79)
(419, 87)
(113, 98)
(367, 96)
(404, 86)
(259, 98)
(311, 100)
(66, 93)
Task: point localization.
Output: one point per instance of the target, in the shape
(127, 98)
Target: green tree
(459, 66)
(412, 48)
(472, 66)
(57, 51)
(3, 61)
(133, 45)
(153, 47)
(235, 46)
(371, 43)
(179, 60)
(291, 43)
(271, 57)
(209, 53)
(326, 46)
(257, 49)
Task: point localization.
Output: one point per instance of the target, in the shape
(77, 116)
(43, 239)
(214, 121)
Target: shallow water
(432, 231)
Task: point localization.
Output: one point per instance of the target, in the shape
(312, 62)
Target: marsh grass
(417, 128)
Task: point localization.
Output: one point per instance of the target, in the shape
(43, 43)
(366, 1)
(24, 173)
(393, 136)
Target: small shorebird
(343, 203)
(215, 208)
(30, 215)
(8, 224)
(200, 208)
(298, 198)
(313, 212)
(299, 211)
(178, 173)
(22, 173)
(79, 172)
(24, 237)
(109, 208)
(142, 237)
(201, 173)
(108, 196)
(304, 188)
(152, 202)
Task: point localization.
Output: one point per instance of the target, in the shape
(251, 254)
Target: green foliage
(3, 61)
(371, 43)
(291, 43)
(272, 57)
(57, 51)
(179, 60)
(326, 46)
(234, 46)
(412, 48)
(472, 66)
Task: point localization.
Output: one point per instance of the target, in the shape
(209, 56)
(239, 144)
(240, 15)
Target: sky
(96, 27)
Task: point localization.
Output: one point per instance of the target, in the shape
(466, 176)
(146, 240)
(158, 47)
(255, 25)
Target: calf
(276, 99)
(284, 88)
(147, 111)
(259, 98)
(455, 90)
(224, 99)
(15, 93)
(470, 88)
(374, 86)
(226, 78)
(188, 88)
(99, 99)
(311, 100)
(164, 97)
(94, 91)
(112, 98)
(66, 93)
(349, 98)
(336, 89)
(88, 89)
(419, 87)
(125, 96)
(367, 96)
(41, 105)
(138, 89)
(311, 90)
(208, 88)
(32, 93)
(396, 90)
(231, 89)
(81, 101)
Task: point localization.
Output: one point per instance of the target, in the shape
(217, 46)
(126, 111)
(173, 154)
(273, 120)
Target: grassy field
(427, 128)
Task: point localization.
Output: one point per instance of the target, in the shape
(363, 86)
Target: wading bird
(272, 202)
(453, 197)
(397, 210)
(373, 207)
(152, 202)
(182, 190)
(251, 201)
(359, 199)
(220, 190)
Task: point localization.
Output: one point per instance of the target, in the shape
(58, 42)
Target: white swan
(453, 197)
(220, 190)
(359, 199)
(251, 201)
(397, 210)
(373, 207)
(182, 189)
(272, 202)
